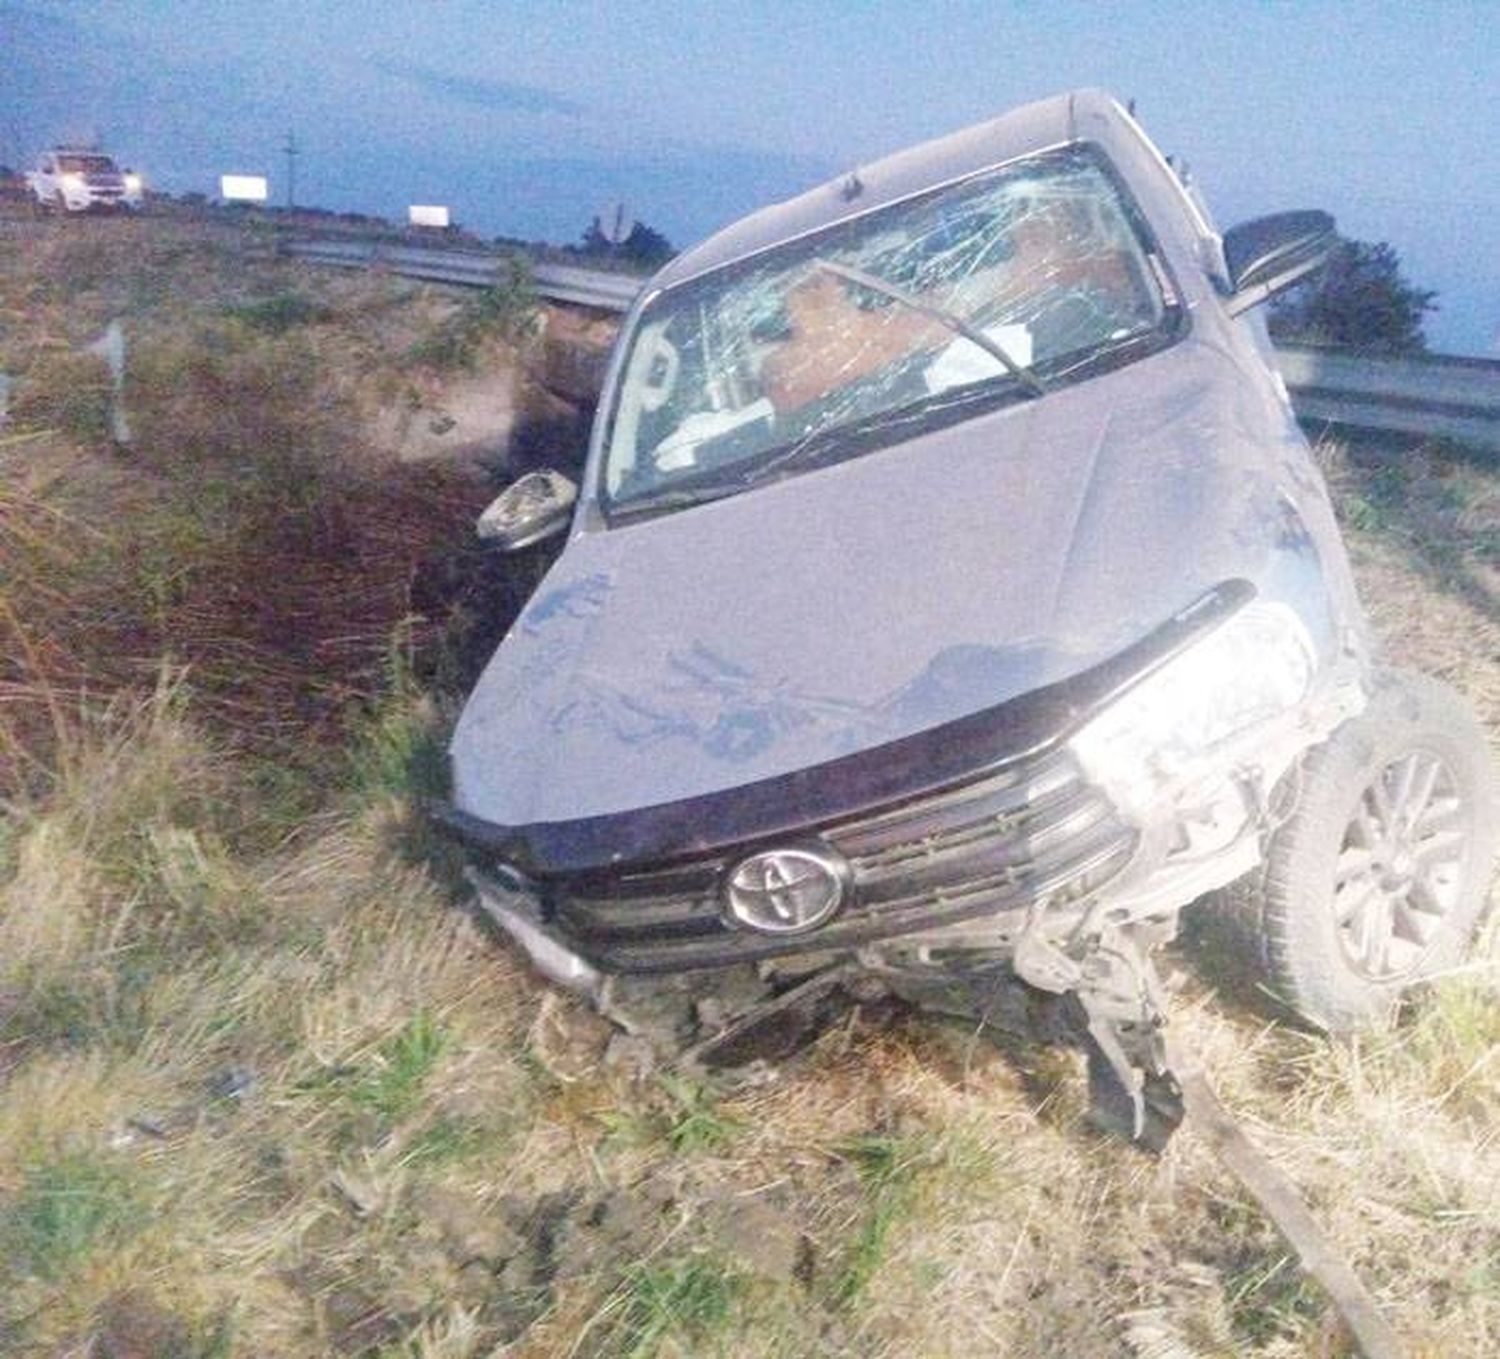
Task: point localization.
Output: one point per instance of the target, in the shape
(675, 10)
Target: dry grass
(265, 1088)
(248, 386)
(234, 1054)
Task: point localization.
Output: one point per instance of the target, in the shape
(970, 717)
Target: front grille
(1034, 829)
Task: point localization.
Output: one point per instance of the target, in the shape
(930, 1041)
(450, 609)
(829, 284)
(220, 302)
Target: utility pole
(291, 151)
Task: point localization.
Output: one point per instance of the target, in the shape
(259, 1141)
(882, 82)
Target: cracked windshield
(986, 291)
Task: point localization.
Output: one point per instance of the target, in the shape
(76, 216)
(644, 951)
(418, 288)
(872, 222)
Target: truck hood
(850, 606)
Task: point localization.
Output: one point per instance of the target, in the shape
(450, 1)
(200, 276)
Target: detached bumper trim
(517, 916)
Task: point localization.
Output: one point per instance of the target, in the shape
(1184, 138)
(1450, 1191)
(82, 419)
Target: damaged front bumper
(1036, 839)
(987, 850)
(1044, 814)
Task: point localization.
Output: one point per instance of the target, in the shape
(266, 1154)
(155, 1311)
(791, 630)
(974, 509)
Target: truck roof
(1030, 128)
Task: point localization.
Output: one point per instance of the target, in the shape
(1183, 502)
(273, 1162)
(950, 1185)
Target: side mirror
(1268, 254)
(532, 508)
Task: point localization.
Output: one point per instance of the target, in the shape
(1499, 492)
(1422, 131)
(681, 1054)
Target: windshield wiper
(674, 498)
(943, 316)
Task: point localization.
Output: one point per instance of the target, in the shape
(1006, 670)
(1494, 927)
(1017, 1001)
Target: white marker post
(616, 224)
(111, 348)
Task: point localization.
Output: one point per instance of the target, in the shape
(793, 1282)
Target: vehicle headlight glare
(1254, 667)
(132, 184)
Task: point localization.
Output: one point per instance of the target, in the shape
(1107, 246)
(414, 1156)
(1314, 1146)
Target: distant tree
(1360, 301)
(644, 246)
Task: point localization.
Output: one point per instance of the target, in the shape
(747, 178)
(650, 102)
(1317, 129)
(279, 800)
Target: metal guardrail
(1436, 396)
(557, 282)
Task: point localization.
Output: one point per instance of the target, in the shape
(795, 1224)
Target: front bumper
(990, 849)
(96, 198)
(953, 838)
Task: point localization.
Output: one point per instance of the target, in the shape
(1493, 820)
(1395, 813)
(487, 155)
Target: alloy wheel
(1400, 867)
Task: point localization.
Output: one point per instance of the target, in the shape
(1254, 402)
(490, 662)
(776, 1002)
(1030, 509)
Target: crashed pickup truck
(950, 592)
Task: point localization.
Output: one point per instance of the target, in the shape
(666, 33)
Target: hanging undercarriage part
(1111, 973)
(1138, 1067)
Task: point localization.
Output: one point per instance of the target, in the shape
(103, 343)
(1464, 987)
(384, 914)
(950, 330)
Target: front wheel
(1378, 877)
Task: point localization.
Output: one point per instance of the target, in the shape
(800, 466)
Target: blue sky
(528, 118)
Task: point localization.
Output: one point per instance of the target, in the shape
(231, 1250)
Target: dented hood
(850, 606)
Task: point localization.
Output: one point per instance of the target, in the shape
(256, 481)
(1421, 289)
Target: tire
(1379, 875)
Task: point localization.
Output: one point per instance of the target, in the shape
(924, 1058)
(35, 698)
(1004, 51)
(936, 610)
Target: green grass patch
(63, 1210)
(1272, 1299)
(889, 1167)
(507, 311)
(1361, 513)
(681, 1113)
(53, 1012)
(398, 745)
(1461, 1022)
(384, 1087)
(280, 312)
(280, 794)
(391, 1085)
(196, 892)
(446, 1141)
(685, 1301)
(1450, 1045)
(65, 390)
(10, 848)
(399, 749)
(693, 1120)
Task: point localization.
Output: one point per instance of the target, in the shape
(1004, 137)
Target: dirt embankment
(307, 453)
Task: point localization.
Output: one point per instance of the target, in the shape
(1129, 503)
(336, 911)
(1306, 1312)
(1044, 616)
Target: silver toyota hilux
(950, 590)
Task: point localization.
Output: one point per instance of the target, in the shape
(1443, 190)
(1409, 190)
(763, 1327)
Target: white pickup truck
(69, 179)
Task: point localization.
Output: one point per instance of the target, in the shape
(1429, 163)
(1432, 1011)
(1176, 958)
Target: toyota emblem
(786, 891)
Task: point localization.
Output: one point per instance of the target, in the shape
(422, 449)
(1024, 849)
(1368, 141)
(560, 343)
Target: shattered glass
(995, 288)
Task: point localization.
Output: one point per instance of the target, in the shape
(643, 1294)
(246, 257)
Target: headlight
(72, 181)
(132, 184)
(1254, 667)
